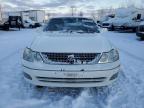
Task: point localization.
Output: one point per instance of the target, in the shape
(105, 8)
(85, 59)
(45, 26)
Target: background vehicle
(126, 19)
(72, 54)
(108, 24)
(28, 23)
(26, 18)
(140, 30)
(12, 22)
(106, 21)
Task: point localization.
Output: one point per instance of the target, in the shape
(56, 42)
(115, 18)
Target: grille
(71, 58)
(72, 80)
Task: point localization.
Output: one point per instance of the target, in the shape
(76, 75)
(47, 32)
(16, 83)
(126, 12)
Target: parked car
(107, 24)
(105, 20)
(140, 30)
(68, 53)
(126, 19)
(28, 23)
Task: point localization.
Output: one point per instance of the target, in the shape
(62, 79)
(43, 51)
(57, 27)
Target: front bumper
(71, 77)
(122, 28)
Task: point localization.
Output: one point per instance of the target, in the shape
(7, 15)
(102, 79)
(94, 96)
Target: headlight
(32, 56)
(108, 57)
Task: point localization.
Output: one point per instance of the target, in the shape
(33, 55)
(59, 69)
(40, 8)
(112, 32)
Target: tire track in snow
(132, 55)
(122, 39)
(10, 55)
(131, 87)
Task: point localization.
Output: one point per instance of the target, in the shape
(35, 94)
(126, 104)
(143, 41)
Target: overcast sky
(63, 6)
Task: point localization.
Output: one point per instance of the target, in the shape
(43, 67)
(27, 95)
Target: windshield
(80, 25)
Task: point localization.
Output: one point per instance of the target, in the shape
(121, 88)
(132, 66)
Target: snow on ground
(127, 92)
(130, 93)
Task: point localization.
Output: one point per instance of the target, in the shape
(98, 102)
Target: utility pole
(73, 9)
(81, 13)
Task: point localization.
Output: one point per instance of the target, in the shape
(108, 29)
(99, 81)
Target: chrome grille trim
(70, 58)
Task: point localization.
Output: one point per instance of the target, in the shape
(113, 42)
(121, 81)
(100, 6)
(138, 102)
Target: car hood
(70, 42)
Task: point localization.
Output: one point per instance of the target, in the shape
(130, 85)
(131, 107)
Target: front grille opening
(70, 58)
(72, 80)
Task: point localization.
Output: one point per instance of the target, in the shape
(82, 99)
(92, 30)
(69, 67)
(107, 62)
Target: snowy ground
(127, 92)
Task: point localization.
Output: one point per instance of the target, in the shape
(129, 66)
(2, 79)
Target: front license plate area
(72, 75)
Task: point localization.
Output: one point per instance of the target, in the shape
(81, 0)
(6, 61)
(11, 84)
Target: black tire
(142, 38)
(30, 26)
(134, 29)
(111, 28)
(6, 28)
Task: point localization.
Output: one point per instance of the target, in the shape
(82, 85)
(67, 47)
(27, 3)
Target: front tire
(30, 26)
(134, 29)
(142, 38)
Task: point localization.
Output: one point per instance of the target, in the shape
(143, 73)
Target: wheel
(30, 26)
(142, 38)
(111, 28)
(6, 28)
(134, 29)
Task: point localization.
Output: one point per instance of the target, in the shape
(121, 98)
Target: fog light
(27, 76)
(114, 76)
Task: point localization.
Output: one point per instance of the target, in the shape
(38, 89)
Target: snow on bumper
(71, 78)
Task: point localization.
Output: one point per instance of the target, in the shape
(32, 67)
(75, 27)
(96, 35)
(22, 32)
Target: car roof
(77, 17)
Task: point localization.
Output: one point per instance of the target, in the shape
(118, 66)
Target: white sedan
(69, 53)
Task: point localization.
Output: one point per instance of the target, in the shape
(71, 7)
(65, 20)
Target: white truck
(28, 23)
(25, 16)
(126, 19)
(37, 15)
